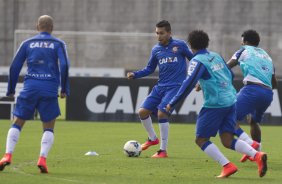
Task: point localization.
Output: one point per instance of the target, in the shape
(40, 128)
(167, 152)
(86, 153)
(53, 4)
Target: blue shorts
(159, 98)
(29, 100)
(213, 120)
(254, 100)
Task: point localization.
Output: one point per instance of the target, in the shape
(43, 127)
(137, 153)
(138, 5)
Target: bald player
(47, 70)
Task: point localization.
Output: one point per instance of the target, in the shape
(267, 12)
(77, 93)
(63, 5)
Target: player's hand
(130, 75)
(63, 95)
(198, 87)
(168, 108)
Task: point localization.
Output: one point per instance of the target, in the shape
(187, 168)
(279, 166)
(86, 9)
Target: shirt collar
(170, 40)
(202, 51)
(44, 33)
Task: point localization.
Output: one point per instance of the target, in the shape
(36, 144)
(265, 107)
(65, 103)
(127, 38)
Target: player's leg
(255, 130)
(227, 138)
(246, 104)
(245, 137)
(47, 141)
(207, 125)
(148, 107)
(147, 123)
(242, 147)
(166, 94)
(164, 130)
(228, 168)
(264, 99)
(48, 109)
(24, 110)
(11, 141)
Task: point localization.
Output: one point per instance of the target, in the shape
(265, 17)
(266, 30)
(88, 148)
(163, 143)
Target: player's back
(42, 54)
(256, 63)
(218, 89)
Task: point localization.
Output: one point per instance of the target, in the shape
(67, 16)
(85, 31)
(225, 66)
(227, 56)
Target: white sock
(46, 143)
(164, 128)
(148, 125)
(244, 148)
(12, 139)
(213, 151)
(245, 137)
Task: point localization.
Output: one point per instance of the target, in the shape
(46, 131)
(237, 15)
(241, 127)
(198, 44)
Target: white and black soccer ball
(132, 148)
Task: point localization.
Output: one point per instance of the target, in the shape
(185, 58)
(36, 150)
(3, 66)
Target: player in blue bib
(256, 95)
(47, 69)
(218, 112)
(170, 56)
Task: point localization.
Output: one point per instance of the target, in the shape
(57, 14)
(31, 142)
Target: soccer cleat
(6, 160)
(261, 159)
(149, 143)
(160, 154)
(245, 157)
(228, 170)
(41, 164)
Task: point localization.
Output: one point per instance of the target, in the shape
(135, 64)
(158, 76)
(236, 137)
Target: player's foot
(149, 143)
(160, 154)
(42, 165)
(261, 159)
(228, 170)
(245, 157)
(6, 160)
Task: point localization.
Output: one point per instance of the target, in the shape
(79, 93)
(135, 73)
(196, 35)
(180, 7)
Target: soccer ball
(132, 148)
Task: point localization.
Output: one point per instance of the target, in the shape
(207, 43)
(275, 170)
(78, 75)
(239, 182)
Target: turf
(186, 163)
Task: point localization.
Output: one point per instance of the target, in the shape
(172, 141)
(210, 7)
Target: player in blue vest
(41, 84)
(218, 112)
(170, 56)
(259, 79)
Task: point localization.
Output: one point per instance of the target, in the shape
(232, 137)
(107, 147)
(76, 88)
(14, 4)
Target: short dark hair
(198, 39)
(165, 24)
(251, 36)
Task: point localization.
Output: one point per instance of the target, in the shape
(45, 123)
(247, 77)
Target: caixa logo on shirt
(48, 45)
(168, 60)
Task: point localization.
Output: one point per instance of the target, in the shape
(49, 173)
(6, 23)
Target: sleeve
(150, 68)
(236, 56)
(64, 68)
(195, 71)
(188, 54)
(15, 68)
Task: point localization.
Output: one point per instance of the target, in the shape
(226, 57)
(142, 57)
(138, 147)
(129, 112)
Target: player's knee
(227, 142)
(143, 113)
(200, 141)
(162, 115)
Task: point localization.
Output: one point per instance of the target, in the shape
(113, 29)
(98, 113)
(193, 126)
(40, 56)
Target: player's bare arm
(232, 62)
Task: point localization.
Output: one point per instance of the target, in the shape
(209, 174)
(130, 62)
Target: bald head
(45, 24)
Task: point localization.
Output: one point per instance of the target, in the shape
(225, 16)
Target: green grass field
(186, 163)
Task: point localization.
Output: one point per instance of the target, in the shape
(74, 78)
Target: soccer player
(170, 56)
(218, 113)
(259, 79)
(47, 69)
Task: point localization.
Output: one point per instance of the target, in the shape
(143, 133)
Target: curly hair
(198, 39)
(251, 36)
